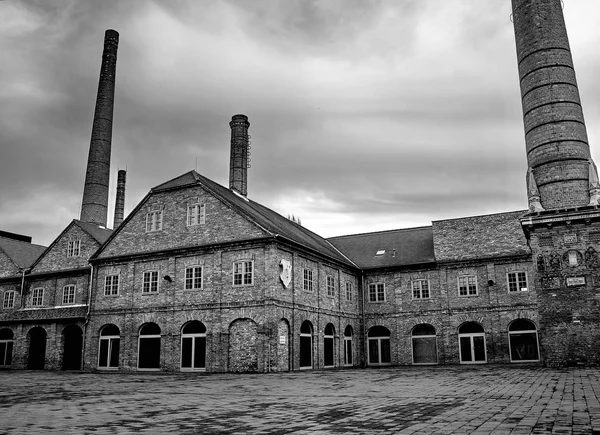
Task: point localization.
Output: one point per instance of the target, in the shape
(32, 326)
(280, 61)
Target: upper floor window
(150, 282)
(73, 248)
(517, 281)
(196, 214)
(376, 292)
(467, 285)
(9, 299)
(349, 291)
(154, 221)
(307, 282)
(193, 278)
(111, 285)
(37, 297)
(330, 286)
(420, 289)
(68, 295)
(243, 273)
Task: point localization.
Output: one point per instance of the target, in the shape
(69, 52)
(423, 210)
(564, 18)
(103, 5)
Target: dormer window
(73, 248)
(196, 214)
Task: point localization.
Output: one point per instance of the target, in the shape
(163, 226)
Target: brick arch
(521, 314)
(436, 323)
(243, 345)
(459, 320)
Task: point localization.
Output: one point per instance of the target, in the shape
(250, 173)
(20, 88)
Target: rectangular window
(111, 285)
(150, 282)
(37, 297)
(243, 272)
(68, 295)
(517, 282)
(9, 299)
(307, 283)
(349, 291)
(376, 292)
(154, 221)
(73, 248)
(330, 286)
(420, 289)
(196, 214)
(467, 285)
(193, 278)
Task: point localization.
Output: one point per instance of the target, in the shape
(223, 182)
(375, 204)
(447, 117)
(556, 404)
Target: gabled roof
(410, 246)
(23, 254)
(478, 237)
(100, 234)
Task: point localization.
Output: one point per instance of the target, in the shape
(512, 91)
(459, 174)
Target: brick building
(198, 277)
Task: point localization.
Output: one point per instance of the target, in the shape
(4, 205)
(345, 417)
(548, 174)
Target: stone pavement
(404, 400)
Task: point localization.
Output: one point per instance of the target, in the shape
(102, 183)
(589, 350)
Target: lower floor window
(193, 347)
(471, 342)
(110, 341)
(379, 346)
(424, 344)
(6, 347)
(523, 340)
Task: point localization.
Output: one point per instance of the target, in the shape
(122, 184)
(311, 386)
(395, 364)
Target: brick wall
(56, 257)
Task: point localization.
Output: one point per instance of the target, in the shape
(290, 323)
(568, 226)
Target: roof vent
(380, 252)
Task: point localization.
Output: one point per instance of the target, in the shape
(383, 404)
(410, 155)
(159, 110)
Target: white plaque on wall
(286, 272)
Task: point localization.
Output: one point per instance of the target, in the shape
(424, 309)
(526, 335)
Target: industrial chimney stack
(94, 207)
(240, 151)
(120, 199)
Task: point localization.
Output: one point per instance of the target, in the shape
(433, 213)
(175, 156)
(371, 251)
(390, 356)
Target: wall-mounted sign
(570, 238)
(282, 339)
(286, 272)
(574, 281)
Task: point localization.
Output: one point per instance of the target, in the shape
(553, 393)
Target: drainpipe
(364, 331)
(87, 316)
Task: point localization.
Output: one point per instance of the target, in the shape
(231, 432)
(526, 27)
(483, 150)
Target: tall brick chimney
(555, 134)
(120, 199)
(94, 207)
(240, 147)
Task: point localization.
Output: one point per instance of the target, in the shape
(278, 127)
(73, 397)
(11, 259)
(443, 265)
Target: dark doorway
(149, 347)
(37, 349)
(328, 345)
(306, 359)
(72, 347)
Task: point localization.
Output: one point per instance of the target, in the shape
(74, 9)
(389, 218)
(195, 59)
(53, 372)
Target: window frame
(112, 291)
(468, 285)
(69, 287)
(349, 291)
(308, 281)
(243, 273)
(148, 284)
(420, 289)
(517, 282)
(330, 285)
(377, 293)
(193, 278)
(73, 248)
(9, 296)
(196, 214)
(37, 294)
(154, 221)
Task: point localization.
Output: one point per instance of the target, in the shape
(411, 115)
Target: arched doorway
(72, 337)
(306, 345)
(149, 347)
(243, 341)
(471, 342)
(348, 355)
(424, 344)
(523, 341)
(379, 346)
(37, 348)
(328, 346)
(6, 348)
(193, 347)
(110, 343)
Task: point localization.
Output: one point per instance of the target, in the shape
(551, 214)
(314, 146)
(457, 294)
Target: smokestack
(555, 134)
(94, 207)
(240, 151)
(120, 199)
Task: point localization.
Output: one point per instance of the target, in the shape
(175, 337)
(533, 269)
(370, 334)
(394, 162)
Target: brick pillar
(555, 134)
(120, 199)
(94, 207)
(240, 150)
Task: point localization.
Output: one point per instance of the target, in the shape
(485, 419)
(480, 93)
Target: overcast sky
(365, 115)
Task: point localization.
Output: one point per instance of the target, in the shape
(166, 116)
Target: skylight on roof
(380, 252)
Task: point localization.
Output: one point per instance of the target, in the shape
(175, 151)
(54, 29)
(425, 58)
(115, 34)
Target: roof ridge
(381, 232)
(21, 241)
(481, 215)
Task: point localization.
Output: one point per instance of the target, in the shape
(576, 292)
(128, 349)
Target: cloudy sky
(365, 115)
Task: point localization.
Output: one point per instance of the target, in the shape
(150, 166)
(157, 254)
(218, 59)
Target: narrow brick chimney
(120, 199)
(555, 133)
(240, 150)
(94, 207)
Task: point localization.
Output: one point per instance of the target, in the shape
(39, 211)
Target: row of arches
(306, 345)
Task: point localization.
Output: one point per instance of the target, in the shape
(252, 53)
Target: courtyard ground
(406, 400)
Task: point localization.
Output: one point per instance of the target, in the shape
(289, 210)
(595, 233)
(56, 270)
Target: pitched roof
(266, 218)
(477, 237)
(401, 247)
(23, 254)
(100, 234)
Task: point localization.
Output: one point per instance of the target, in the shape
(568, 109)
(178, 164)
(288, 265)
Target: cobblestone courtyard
(433, 400)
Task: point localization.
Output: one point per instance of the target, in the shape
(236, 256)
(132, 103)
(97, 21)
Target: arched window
(306, 358)
(110, 341)
(471, 343)
(193, 347)
(348, 360)
(37, 348)
(523, 341)
(6, 347)
(149, 347)
(379, 346)
(424, 344)
(328, 344)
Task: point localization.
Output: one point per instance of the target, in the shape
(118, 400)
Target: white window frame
(191, 281)
(154, 220)
(524, 331)
(243, 273)
(468, 285)
(196, 214)
(515, 286)
(110, 287)
(37, 297)
(73, 248)
(111, 340)
(72, 291)
(150, 277)
(349, 291)
(9, 299)
(307, 280)
(417, 289)
(379, 292)
(330, 285)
